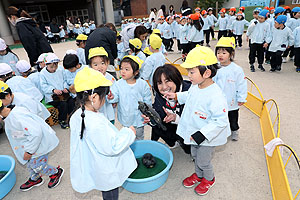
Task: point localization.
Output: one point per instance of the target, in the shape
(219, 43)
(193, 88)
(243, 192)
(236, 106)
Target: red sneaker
(30, 184)
(55, 178)
(204, 186)
(191, 181)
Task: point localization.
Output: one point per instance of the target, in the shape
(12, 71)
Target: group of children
(204, 124)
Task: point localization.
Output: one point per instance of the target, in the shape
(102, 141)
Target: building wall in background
(138, 7)
(176, 3)
(232, 3)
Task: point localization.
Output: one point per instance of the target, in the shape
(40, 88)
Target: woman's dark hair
(111, 26)
(11, 10)
(82, 98)
(9, 50)
(171, 73)
(135, 50)
(139, 30)
(213, 68)
(79, 41)
(185, 4)
(134, 66)
(152, 10)
(228, 49)
(171, 6)
(163, 8)
(240, 19)
(197, 24)
(6, 92)
(70, 61)
(104, 58)
(6, 76)
(119, 37)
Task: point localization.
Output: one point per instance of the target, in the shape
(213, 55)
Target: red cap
(203, 12)
(194, 16)
(223, 10)
(232, 9)
(267, 8)
(287, 7)
(242, 8)
(240, 13)
(197, 8)
(272, 8)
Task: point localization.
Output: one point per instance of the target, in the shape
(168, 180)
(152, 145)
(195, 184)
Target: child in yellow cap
(231, 79)
(31, 140)
(99, 61)
(135, 46)
(154, 60)
(128, 91)
(80, 42)
(100, 156)
(204, 120)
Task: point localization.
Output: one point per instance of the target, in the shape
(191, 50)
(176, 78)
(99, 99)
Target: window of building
(39, 11)
(81, 14)
(296, 2)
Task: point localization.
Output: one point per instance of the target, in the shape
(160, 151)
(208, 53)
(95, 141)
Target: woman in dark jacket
(167, 78)
(32, 38)
(185, 9)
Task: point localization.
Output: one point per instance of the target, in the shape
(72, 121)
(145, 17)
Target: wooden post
(217, 4)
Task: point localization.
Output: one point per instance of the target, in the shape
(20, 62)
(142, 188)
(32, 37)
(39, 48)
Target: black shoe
(207, 45)
(63, 125)
(252, 69)
(278, 68)
(272, 70)
(171, 50)
(30, 184)
(261, 68)
(55, 178)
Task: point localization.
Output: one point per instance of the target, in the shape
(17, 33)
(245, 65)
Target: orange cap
(240, 13)
(223, 10)
(287, 7)
(272, 8)
(232, 9)
(197, 8)
(203, 12)
(266, 7)
(194, 16)
(242, 8)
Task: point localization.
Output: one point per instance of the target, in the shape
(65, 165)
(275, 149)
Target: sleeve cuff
(198, 137)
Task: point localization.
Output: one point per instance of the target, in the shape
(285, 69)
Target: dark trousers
(167, 43)
(64, 108)
(238, 39)
(276, 59)
(233, 116)
(267, 54)
(229, 34)
(211, 30)
(287, 51)
(178, 45)
(297, 57)
(256, 50)
(71, 34)
(206, 33)
(222, 34)
(185, 48)
(111, 194)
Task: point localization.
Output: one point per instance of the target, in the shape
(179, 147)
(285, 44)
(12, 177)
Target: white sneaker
(284, 59)
(175, 145)
(234, 135)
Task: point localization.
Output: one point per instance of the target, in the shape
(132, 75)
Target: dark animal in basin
(148, 160)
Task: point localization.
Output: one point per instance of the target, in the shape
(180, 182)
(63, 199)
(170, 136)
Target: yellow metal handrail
(277, 117)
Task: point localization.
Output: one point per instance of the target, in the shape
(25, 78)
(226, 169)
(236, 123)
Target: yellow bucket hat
(135, 59)
(147, 51)
(155, 41)
(136, 42)
(226, 42)
(154, 31)
(199, 56)
(88, 79)
(3, 87)
(97, 51)
(82, 37)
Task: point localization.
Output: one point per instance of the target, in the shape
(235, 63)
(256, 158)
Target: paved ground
(240, 167)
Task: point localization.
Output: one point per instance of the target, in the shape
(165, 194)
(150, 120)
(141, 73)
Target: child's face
(170, 21)
(126, 71)
(239, 17)
(177, 19)
(143, 36)
(272, 11)
(3, 52)
(183, 21)
(42, 65)
(277, 25)
(160, 21)
(7, 101)
(222, 14)
(197, 11)
(210, 12)
(261, 19)
(97, 63)
(166, 85)
(52, 67)
(223, 57)
(73, 69)
(297, 15)
(231, 13)
(195, 76)
(82, 44)
(205, 15)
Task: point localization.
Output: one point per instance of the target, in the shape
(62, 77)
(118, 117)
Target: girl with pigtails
(100, 156)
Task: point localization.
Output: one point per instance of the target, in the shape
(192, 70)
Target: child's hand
(110, 96)
(27, 156)
(241, 103)
(170, 95)
(114, 105)
(171, 117)
(65, 90)
(146, 119)
(247, 39)
(265, 45)
(72, 89)
(58, 92)
(133, 129)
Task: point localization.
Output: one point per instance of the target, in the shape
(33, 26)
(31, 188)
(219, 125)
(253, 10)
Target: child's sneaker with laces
(30, 184)
(204, 186)
(55, 178)
(191, 180)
